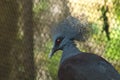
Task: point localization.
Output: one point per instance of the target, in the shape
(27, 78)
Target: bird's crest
(71, 28)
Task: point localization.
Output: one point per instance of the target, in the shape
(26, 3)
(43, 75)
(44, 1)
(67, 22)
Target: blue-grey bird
(75, 64)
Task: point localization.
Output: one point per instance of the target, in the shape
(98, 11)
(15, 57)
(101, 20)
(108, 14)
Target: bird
(75, 64)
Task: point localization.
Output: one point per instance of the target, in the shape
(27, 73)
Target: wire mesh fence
(34, 22)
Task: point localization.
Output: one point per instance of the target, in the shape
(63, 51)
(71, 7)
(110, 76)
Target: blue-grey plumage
(67, 31)
(71, 28)
(77, 65)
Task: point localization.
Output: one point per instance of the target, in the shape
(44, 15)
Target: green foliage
(40, 6)
(113, 46)
(116, 4)
(53, 63)
(96, 34)
(112, 52)
(95, 28)
(53, 66)
(49, 64)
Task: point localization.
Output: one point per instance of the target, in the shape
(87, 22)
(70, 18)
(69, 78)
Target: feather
(72, 28)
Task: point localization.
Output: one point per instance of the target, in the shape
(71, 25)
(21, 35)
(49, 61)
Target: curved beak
(54, 49)
(51, 53)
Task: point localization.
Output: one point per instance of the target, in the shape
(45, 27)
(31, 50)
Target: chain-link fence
(29, 41)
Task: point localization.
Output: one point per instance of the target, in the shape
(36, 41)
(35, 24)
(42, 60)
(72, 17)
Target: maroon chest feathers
(83, 58)
(74, 65)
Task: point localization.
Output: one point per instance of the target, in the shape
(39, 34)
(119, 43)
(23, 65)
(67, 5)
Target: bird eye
(58, 41)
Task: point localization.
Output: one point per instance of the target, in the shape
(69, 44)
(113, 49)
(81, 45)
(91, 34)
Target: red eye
(58, 41)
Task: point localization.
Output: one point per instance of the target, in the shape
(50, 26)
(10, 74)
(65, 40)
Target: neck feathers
(69, 51)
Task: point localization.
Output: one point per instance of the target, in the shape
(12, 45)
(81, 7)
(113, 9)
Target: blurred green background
(25, 40)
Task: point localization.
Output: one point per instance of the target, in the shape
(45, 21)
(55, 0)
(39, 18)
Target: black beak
(52, 51)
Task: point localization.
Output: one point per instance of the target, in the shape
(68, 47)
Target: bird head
(67, 31)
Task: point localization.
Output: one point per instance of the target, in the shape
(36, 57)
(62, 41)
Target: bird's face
(57, 45)
(66, 32)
